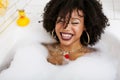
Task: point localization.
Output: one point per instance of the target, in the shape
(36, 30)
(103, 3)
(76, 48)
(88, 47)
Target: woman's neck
(71, 47)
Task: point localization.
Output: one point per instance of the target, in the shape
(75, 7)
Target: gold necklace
(60, 56)
(66, 53)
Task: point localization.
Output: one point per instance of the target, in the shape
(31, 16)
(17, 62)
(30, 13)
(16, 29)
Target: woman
(76, 25)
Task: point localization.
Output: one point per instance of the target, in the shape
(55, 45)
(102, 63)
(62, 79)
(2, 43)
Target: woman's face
(69, 33)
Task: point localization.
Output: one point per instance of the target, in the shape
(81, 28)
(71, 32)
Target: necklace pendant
(67, 56)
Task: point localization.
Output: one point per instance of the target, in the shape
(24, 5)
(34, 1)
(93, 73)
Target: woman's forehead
(77, 13)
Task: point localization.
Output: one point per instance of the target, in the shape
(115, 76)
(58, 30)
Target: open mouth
(66, 36)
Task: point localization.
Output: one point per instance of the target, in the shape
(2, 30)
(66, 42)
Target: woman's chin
(65, 43)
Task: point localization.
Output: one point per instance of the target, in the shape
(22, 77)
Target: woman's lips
(66, 36)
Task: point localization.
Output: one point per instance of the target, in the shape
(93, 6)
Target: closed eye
(75, 23)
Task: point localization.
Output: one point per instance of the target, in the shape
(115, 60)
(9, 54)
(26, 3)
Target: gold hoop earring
(52, 33)
(88, 41)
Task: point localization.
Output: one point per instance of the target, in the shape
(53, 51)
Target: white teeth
(66, 36)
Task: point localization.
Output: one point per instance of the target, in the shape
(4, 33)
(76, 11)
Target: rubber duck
(23, 20)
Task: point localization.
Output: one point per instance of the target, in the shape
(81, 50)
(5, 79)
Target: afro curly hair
(94, 19)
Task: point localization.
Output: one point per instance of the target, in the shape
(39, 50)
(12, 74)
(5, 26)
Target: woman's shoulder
(50, 46)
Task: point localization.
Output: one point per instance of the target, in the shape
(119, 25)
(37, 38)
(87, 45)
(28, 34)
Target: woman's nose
(67, 26)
